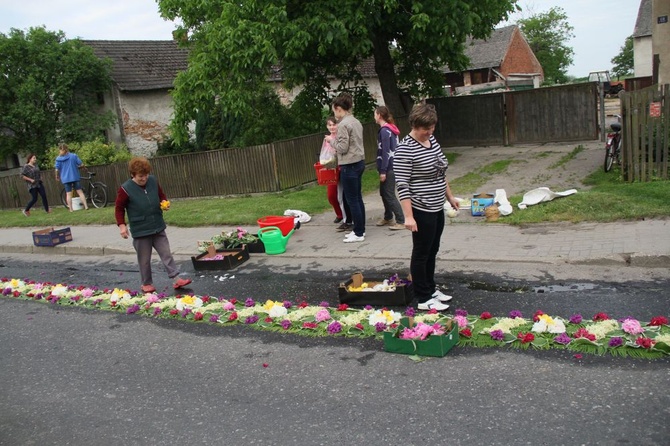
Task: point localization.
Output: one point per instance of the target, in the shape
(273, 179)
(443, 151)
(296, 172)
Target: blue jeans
(33, 197)
(425, 245)
(350, 177)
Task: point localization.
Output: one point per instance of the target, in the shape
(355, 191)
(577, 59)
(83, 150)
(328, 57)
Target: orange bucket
(285, 224)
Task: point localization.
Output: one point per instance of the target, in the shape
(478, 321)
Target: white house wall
(642, 56)
(145, 116)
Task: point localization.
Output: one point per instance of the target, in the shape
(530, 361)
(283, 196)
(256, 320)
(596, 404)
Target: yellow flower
(165, 205)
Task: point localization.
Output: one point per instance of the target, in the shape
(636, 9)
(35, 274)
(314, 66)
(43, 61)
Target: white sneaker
(439, 295)
(348, 234)
(353, 238)
(433, 304)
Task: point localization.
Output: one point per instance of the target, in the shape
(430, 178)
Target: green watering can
(273, 239)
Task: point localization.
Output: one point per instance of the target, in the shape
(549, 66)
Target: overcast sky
(600, 26)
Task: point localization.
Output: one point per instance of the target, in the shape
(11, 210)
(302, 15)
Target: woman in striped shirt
(420, 169)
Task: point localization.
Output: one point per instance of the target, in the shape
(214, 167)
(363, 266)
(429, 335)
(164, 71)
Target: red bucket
(285, 224)
(325, 176)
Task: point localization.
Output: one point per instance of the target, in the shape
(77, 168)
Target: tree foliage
(237, 46)
(49, 89)
(547, 34)
(624, 62)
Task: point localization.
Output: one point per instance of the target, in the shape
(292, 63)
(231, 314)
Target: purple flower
(285, 324)
(367, 307)
(576, 319)
(157, 311)
(214, 318)
(460, 312)
(185, 312)
(7, 291)
(380, 326)
(38, 296)
(322, 315)
(287, 304)
(497, 335)
(251, 319)
(334, 327)
(515, 314)
(134, 308)
(410, 312)
(324, 304)
(249, 302)
(563, 338)
(615, 341)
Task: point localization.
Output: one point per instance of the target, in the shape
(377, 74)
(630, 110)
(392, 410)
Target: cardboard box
(51, 237)
(229, 259)
(402, 295)
(432, 346)
(480, 202)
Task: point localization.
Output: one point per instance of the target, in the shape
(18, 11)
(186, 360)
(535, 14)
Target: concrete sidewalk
(466, 238)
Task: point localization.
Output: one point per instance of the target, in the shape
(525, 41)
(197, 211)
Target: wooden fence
(646, 133)
(563, 113)
(272, 167)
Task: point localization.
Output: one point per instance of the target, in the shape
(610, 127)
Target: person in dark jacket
(387, 141)
(143, 199)
(31, 175)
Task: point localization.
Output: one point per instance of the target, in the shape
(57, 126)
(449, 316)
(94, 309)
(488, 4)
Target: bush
(92, 153)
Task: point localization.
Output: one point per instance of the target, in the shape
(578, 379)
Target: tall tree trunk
(393, 97)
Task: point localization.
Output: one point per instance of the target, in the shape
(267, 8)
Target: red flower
(266, 365)
(197, 316)
(342, 307)
(578, 356)
(525, 338)
(466, 332)
(645, 342)
(232, 301)
(359, 326)
(174, 312)
(658, 320)
(583, 333)
(268, 319)
(600, 317)
(536, 316)
(233, 316)
(16, 294)
(432, 311)
(205, 299)
(485, 315)
(303, 304)
(311, 325)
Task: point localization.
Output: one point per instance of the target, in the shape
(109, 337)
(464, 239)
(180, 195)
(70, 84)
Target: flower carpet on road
(599, 334)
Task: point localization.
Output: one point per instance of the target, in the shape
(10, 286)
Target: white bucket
(76, 204)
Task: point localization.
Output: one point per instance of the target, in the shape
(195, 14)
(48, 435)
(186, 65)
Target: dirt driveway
(534, 165)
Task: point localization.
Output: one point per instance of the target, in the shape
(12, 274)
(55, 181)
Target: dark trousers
(425, 245)
(33, 194)
(389, 199)
(351, 176)
(144, 246)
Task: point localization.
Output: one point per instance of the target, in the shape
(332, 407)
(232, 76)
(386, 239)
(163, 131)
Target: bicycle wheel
(609, 157)
(63, 198)
(98, 195)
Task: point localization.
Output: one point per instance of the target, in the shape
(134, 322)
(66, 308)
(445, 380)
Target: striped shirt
(419, 174)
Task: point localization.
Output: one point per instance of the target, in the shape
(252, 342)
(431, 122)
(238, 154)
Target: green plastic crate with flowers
(412, 337)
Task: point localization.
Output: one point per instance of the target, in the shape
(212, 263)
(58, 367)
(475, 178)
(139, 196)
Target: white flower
(189, 302)
(386, 317)
(548, 324)
(118, 295)
(58, 290)
(506, 324)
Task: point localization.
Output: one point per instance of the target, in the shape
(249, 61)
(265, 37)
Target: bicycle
(96, 192)
(613, 146)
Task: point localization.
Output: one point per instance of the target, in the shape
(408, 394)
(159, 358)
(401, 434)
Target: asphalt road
(82, 377)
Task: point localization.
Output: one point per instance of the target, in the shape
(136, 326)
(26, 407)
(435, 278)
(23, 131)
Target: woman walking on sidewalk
(31, 175)
(144, 201)
(387, 141)
(420, 169)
